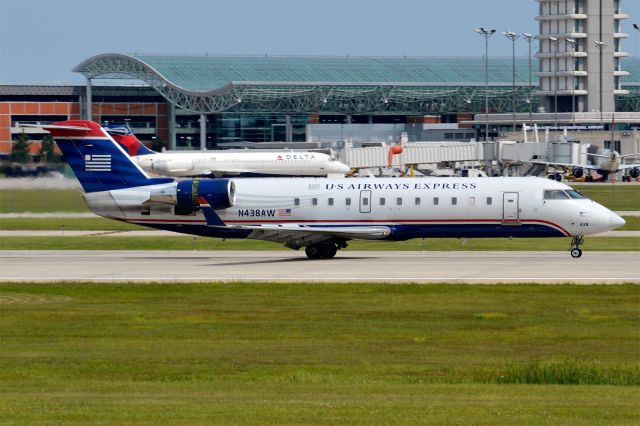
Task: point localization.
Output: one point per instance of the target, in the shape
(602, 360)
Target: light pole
(571, 42)
(486, 33)
(555, 79)
(600, 45)
(529, 38)
(513, 37)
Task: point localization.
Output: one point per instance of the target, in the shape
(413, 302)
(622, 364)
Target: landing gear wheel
(329, 251)
(321, 251)
(575, 250)
(558, 177)
(313, 252)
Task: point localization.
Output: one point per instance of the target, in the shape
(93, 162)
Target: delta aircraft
(322, 214)
(220, 164)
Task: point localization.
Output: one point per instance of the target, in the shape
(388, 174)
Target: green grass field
(203, 243)
(42, 201)
(319, 354)
(632, 223)
(616, 197)
(68, 224)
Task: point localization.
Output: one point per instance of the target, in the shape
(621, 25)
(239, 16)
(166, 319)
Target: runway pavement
(291, 266)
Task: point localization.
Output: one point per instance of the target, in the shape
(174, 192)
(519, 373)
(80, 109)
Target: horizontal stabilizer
(57, 127)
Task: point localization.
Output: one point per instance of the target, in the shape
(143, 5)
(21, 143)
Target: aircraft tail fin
(99, 163)
(122, 134)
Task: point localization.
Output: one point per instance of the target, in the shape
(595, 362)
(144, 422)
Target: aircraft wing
(350, 232)
(295, 235)
(551, 163)
(628, 166)
(301, 235)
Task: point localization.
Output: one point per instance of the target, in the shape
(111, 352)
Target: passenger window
(435, 201)
(417, 201)
(348, 201)
(472, 201)
(454, 201)
(314, 201)
(382, 201)
(330, 201)
(489, 201)
(296, 201)
(399, 201)
(555, 194)
(365, 201)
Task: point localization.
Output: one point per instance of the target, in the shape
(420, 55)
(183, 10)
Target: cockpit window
(575, 194)
(555, 194)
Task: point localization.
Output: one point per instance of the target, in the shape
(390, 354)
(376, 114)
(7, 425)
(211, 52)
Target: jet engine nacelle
(577, 172)
(634, 173)
(220, 193)
(172, 165)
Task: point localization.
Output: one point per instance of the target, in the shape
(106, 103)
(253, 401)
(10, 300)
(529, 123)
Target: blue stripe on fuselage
(405, 232)
(398, 232)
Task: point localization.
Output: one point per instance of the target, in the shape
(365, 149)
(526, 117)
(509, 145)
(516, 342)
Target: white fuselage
(217, 163)
(609, 161)
(410, 207)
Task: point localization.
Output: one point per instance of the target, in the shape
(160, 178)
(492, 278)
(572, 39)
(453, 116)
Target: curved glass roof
(302, 83)
(203, 73)
(632, 65)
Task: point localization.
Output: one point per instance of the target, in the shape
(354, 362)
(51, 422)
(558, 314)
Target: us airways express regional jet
(219, 164)
(321, 214)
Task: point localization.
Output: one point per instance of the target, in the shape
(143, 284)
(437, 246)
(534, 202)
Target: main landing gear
(575, 250)
(325, 250)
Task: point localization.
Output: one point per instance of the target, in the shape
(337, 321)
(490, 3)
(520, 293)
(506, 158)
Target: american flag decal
(284, 212)
(97, 163)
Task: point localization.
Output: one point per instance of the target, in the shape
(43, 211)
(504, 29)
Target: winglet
(209, 213)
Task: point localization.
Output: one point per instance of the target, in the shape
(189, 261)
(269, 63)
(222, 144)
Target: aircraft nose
(615, 221)
(343, 168)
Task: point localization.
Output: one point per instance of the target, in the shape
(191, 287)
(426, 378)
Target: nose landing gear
(575, 250)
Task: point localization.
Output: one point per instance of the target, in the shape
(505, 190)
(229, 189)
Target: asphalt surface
(292, 266)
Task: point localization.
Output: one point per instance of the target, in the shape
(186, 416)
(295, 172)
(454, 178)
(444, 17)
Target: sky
(42, 40)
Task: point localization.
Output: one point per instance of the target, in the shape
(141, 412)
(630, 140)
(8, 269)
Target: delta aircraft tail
(125, 137)
(98, 161)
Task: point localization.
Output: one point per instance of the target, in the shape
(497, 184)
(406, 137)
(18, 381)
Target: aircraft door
(510, 207)
(365, 201)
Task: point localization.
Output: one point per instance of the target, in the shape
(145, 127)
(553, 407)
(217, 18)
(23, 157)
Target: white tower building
(580, 54)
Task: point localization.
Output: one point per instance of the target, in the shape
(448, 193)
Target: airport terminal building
(260, 99)
(193, 102)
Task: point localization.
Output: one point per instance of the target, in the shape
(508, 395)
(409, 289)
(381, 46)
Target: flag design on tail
(97, 163)
(97, 160)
